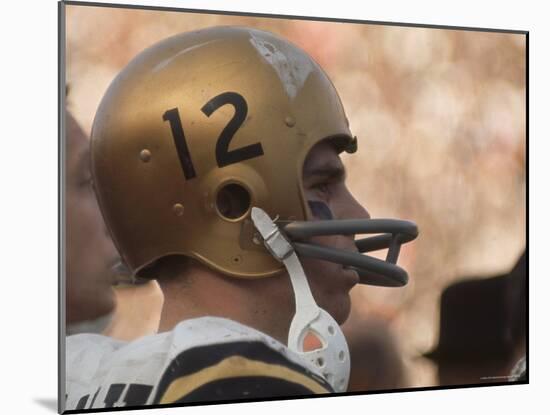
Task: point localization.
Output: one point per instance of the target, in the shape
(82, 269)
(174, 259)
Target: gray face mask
(96, 326)
(285, 242)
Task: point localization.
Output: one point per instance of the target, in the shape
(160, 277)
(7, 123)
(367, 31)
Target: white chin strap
(332, 358)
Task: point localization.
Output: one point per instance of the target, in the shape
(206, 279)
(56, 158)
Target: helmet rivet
(178, 209)
(289, 121)
(145, 155)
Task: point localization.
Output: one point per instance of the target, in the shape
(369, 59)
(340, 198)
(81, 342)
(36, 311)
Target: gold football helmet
(200, 128)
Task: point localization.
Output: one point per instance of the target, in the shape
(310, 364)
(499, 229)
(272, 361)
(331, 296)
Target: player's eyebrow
(330, 171)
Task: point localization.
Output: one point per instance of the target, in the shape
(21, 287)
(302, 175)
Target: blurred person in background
(97, 300)
(516, 297)
(483, 329)
(375, 356)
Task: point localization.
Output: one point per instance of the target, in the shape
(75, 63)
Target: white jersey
(201, 359)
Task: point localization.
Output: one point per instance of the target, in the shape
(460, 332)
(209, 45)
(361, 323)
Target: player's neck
(207, 293)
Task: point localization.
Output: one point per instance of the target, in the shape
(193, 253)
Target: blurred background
(440, 117)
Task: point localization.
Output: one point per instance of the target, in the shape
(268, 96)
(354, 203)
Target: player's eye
(322, 188)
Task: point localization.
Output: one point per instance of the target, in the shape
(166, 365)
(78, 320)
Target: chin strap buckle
(275, 242)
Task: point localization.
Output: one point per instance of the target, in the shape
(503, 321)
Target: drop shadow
(48, 403)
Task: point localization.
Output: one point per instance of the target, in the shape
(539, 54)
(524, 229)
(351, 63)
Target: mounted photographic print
(260, 207)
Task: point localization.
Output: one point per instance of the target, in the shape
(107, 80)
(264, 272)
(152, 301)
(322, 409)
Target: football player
(215, 156)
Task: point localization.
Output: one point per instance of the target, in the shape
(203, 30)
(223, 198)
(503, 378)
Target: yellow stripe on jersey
(234, 367)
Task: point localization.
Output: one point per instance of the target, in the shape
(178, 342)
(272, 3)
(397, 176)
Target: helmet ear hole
(233, 201)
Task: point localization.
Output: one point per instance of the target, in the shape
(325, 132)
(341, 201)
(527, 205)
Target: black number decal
(113, 394)
(173, 117)
(137, 394)
(95, 396)
(82, 402)
(224, 157)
